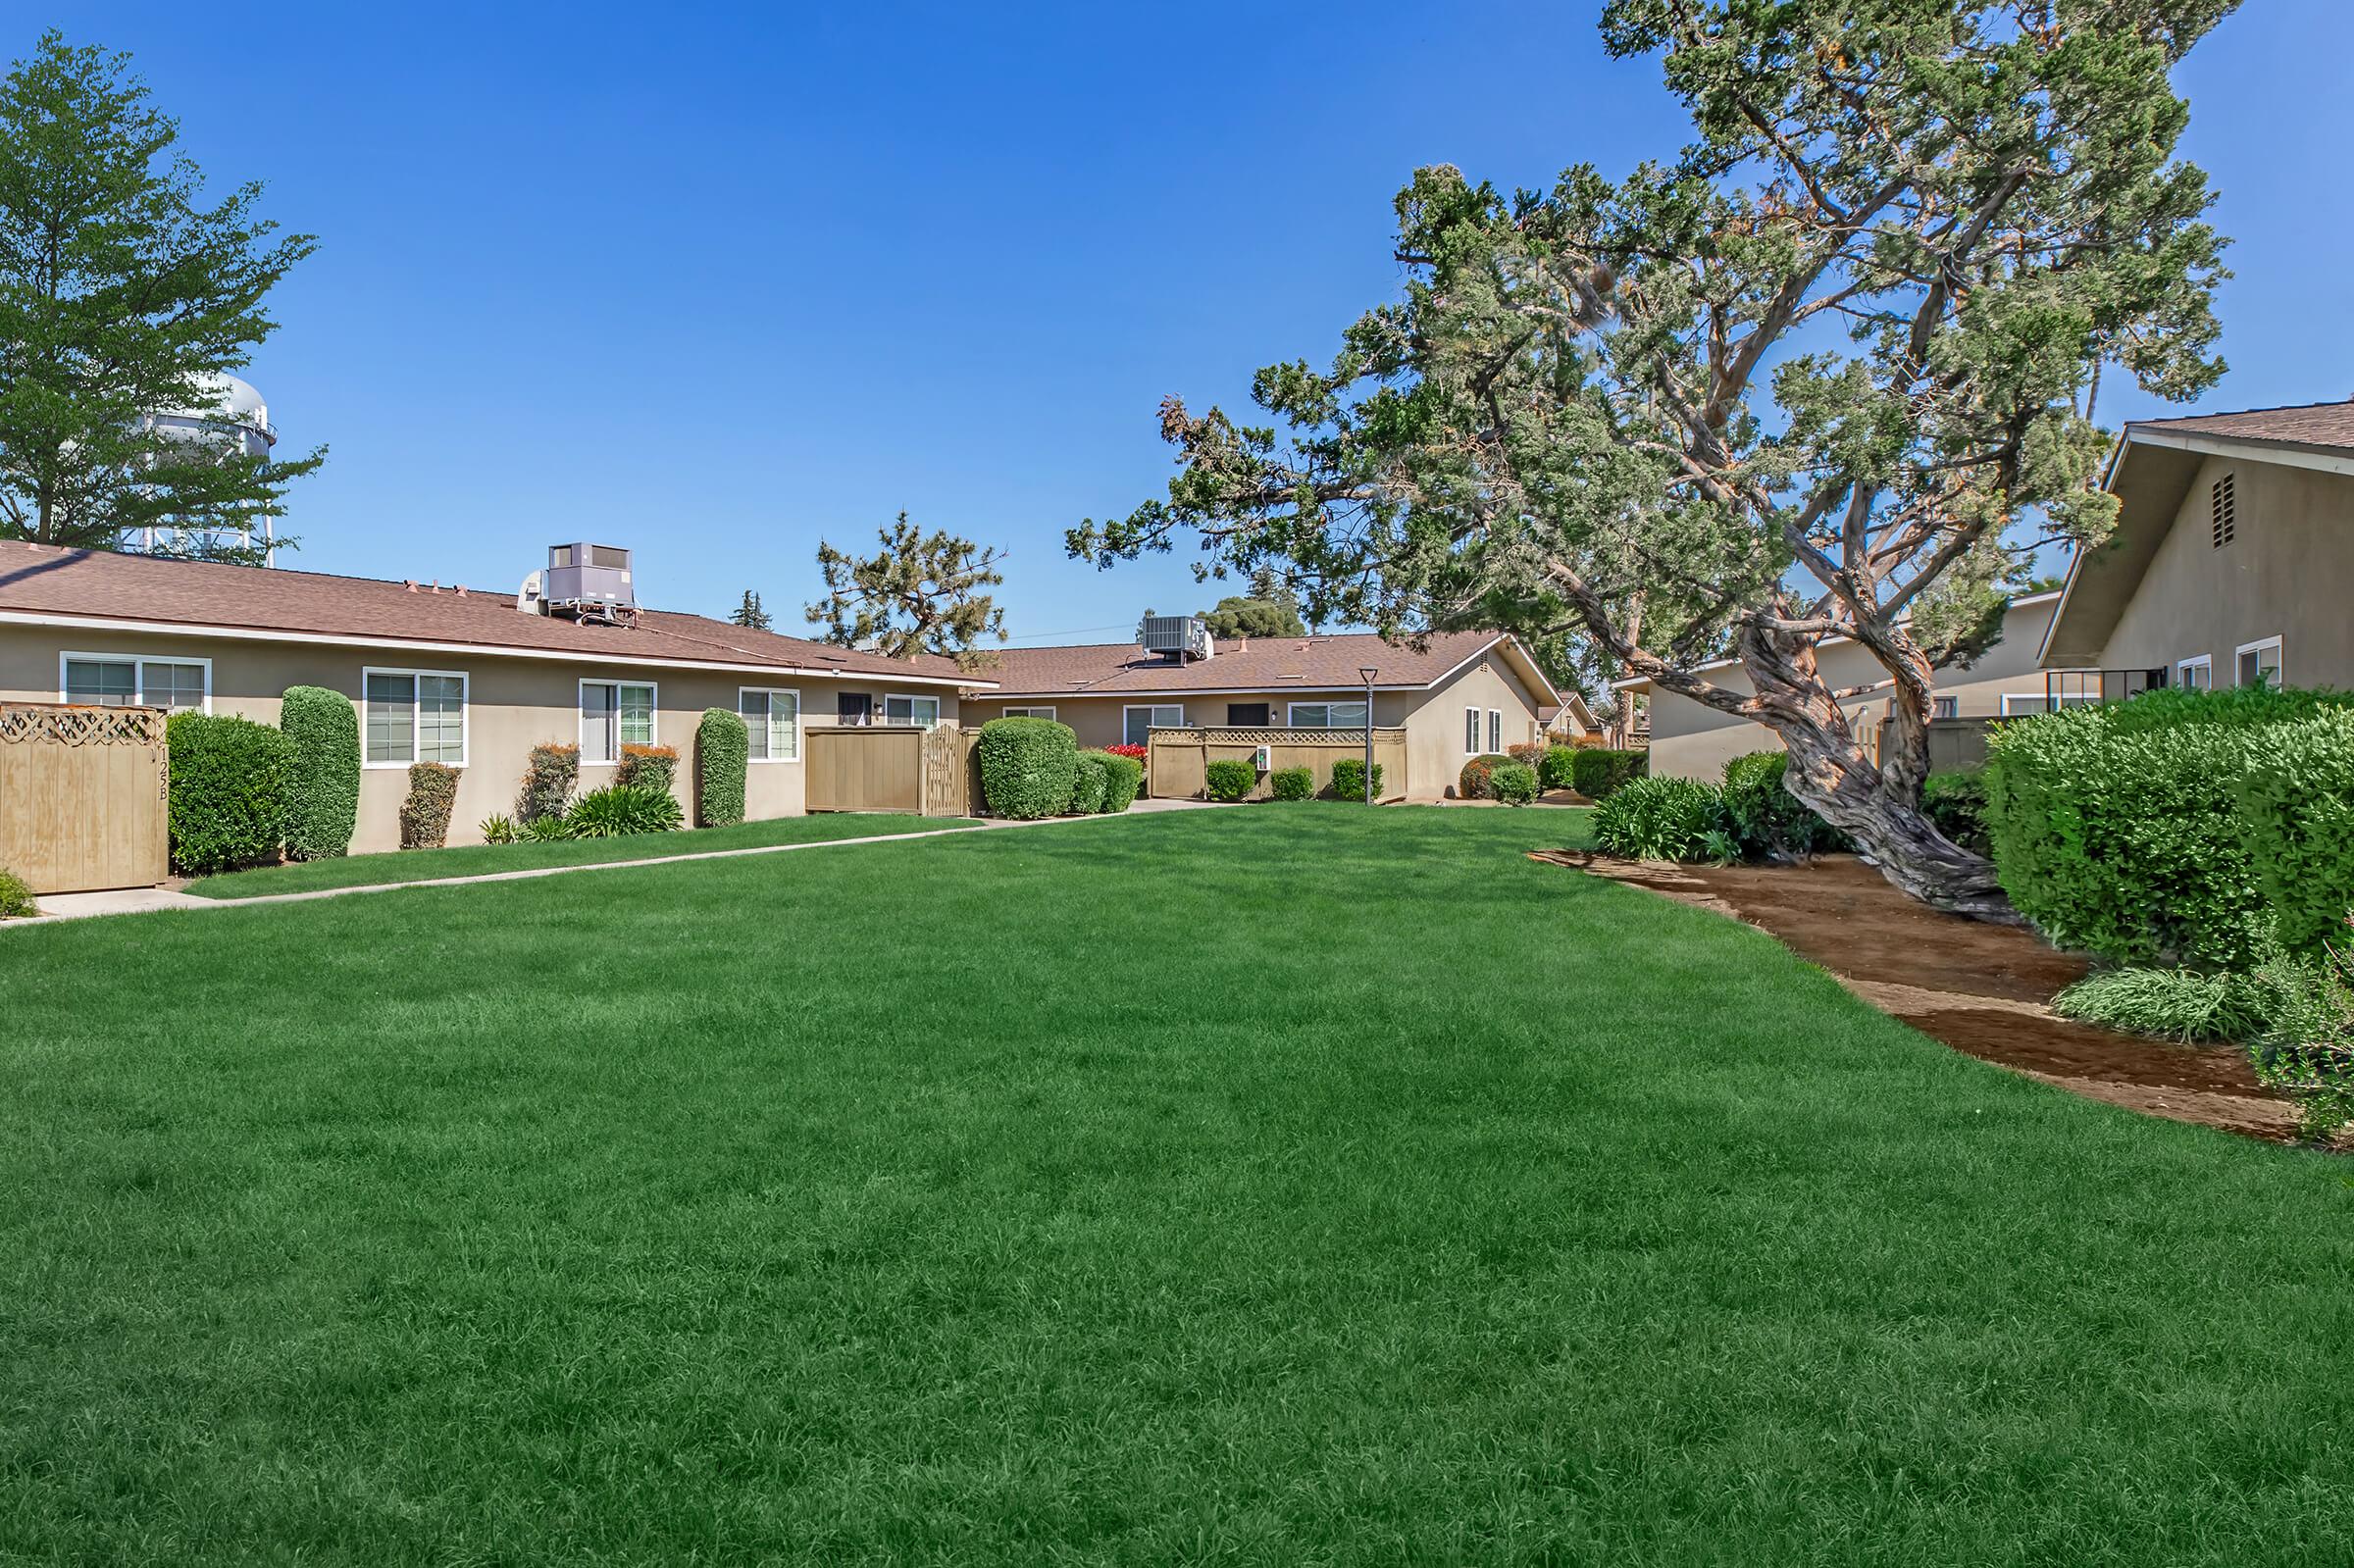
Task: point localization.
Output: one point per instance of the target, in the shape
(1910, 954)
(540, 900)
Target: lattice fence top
(61, 726)
(1226, 735)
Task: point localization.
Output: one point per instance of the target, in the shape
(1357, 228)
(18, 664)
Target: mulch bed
(1980, 989)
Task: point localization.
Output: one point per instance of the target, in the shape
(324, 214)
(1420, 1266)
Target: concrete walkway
(146, 900)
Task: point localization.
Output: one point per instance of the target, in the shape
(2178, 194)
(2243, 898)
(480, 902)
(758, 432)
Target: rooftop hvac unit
(590, 581)
(1182, 636)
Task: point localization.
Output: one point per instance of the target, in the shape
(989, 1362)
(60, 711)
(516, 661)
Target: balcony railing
(2064, 689)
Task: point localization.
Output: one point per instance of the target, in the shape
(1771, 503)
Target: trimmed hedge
(1125, 776)
(424, 815)
(227, 796)
(1291, 784)
(1598, 772)
(547, 781)
(1955, 801)
(1662, 819)
(647, 767)
(1767, 818)
(1514, 783)
(1474, 781)
(1090, 786)
(2295, 805)
(1228, 779)
(322, 772)
(2119, 829)
(1557, 768)
(1349, 779)
(723, 749)
(1027, 766)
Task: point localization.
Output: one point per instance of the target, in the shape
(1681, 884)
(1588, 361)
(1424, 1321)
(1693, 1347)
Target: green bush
(1557, 768)
(1125, 776)
(16, 897)
(723, 749)
(1767, 820)
(1349, 779)
(623, 811)
(2118, 828)
(1473, 783)
(647, 767)
(1229, 779)
(497, 829)
(2296, 805)
(1027, 766)
(1291, 784)
(2306, 1048)
(227, 796)
(1090, 786)
(2170, 1003)
(323, 779)
(1598, 772)
(1514, 783)
(424, 815)
(1664, 819)
(547, 781)
(1955, 801)
(543, 831)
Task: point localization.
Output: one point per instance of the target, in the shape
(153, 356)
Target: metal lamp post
(1368, 671)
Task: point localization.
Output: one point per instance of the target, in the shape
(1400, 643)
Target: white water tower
(236, 419)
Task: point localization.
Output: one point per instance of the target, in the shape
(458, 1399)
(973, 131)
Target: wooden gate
(82, 797)
(889, 768)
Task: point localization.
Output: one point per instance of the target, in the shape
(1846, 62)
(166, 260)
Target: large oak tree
(1828, 373)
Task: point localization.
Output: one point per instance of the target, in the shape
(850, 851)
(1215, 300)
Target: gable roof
(2150, 473)
(1259, 663)
(42, 584)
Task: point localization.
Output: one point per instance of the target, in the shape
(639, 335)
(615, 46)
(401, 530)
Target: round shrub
(1598, 772)
(1291, 784)
(1514, 783)
(1767, 820)
(722, 748)
(1472, 784)
(16, 897)
(1229, 779)
(227, 802)
(1090, 786)
(1557, 769)
(322, 772)
(622, 811)
(1662, 819)
(1123, 776)
(547, 779)
(1349, 779)
(1027, 766)
(424, 815)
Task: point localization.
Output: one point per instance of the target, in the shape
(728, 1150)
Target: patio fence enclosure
(1176, 759)
(82, 797)
(1953, 742)
(923, 771)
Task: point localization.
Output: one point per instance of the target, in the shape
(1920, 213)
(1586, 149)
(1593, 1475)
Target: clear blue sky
(714, 282)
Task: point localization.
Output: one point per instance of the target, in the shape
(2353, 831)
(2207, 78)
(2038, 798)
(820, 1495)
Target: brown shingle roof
(43, 580)
(2304, 424)
(1261, 664)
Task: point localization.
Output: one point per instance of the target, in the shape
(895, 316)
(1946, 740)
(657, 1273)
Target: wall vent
(2221, 511)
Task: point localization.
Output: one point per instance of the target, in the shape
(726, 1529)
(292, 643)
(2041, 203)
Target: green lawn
(1284, 1185)
(423, 865)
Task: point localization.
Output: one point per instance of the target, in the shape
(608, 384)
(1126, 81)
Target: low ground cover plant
(2180, 1004)
(322, 772)
(16, 897)
(723, 749)
(425, 814)
(2305, 1048)
(1291, 784)
(226, 802)
(1663, 818)
(1228, 779)
(1599, 772)
(622, 811)
(497, 828)
(1349, 779)
(1027, 766)
(1514, 783)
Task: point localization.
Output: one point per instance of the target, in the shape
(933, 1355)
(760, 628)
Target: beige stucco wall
(512, 705)
(2288, 572)
(1691, 741)
(1433, 719)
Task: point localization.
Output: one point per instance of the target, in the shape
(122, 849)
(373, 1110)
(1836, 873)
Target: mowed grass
(1278, 1184)
(475, 860)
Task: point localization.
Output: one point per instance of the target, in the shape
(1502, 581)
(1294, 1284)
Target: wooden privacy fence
(924, 772)
(1953, 742)
(82, 797)
(1177, 760)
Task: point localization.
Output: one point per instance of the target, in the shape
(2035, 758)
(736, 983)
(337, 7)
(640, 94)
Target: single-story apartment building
(443, 673)
(1691, 741)
(2232, 561)
(1459, 694)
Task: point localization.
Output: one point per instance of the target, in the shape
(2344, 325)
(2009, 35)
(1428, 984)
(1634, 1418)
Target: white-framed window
(2196, 674)
(919, 712)
(1327, 716)
(1495, 729)
(1029, 713)
(772, 722)
(411, 716)
(2259, 663)
(1136, 722)
(1945, 707)
(134, 681)
(1470, 731)
(615, 713)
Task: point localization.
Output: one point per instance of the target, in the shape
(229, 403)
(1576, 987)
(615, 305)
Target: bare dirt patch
(1981, 989)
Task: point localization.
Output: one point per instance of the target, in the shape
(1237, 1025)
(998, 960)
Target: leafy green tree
(1824, 374)
(1237, 616)
(749, 614)
(920, 593)
(123, 295)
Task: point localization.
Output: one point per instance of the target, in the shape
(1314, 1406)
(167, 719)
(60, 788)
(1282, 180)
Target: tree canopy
(1827, 372)
(123, 295)
(749, 614)
(1238, 616)
(919, 593)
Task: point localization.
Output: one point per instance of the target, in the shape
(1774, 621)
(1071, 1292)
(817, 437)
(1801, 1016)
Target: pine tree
(749, 614)
(920, 593)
